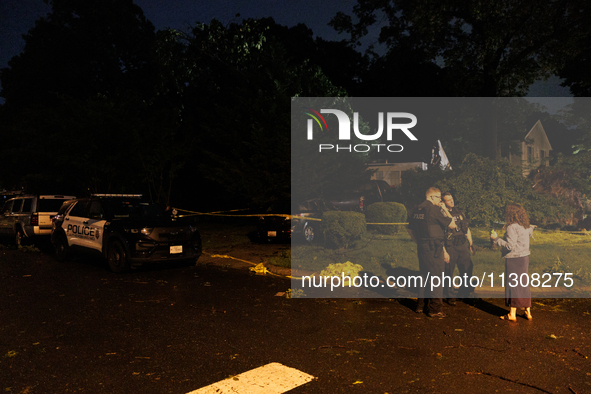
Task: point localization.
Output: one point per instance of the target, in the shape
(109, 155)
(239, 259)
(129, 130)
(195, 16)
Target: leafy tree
(482, 188)
(569, 178)
(81, 49)
(402, 71)
(329, 173)
(488, 49)
(127, 109)
(575, 70)
(94, 103)
(237, 102)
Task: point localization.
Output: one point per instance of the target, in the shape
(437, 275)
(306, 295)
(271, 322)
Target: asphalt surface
(76, 328)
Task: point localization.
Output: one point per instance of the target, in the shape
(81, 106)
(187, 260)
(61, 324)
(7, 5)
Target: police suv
(126, 229)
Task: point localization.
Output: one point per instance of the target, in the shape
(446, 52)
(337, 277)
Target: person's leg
(511, 316)
(528, 315)
(465, 267)
(448, 291)
(421, 307)
(435, 266)
(513, 313)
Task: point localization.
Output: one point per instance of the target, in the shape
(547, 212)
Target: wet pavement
(76, 328)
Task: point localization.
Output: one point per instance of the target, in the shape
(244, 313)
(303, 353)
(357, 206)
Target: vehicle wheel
(18, 238)
(309, 233)
(117, 258)
(62, 249)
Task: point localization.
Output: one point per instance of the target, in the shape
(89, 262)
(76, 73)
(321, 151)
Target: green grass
(552, 251)
(283, 260)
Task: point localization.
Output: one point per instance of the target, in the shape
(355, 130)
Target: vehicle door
(17, 216)
(73, 222)
(27, 210)
(93, 226)
(6, 218)
(84, 224)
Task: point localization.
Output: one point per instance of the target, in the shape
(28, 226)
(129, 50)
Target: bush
(386, 212)
(482, 188)
(343, 228)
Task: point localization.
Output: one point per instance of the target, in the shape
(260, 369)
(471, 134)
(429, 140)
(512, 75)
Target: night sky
(18, 16)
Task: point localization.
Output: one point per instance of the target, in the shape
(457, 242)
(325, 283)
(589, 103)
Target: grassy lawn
(379, 254)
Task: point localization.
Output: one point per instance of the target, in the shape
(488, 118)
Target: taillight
(34, 220)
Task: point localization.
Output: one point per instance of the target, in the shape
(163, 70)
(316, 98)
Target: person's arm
(446, 257)
(447, 214)
(412, 235)
(511, 236)
(470, 242)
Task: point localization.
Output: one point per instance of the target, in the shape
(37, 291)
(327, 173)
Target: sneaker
(436, 315)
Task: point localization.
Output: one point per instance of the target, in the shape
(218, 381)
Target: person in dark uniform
(427, 226)
(458, 244)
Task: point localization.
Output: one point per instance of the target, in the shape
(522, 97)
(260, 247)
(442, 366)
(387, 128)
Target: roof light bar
(117, 195)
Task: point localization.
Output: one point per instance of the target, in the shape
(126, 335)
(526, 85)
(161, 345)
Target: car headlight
(147, 230)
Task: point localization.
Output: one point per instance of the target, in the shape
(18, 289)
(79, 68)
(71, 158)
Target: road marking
(272, 378)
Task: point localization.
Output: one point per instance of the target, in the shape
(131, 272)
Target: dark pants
(459, 254)
(431, 264)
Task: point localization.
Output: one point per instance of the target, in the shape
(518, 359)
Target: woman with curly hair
(515, 250)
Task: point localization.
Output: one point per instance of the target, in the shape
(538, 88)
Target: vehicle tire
(18, 238)
(309, 233)
(61, 248)
(117, 258)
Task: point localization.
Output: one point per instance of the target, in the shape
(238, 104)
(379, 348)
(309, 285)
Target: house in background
(531, 152)
(528, 154)
(392, 172)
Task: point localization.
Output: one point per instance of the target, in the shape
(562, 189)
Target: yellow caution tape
(404, 224)
(260, 269)
(293, 217)
(194, 213)
(256, 267)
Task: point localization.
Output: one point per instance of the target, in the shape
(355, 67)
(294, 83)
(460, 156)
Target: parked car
(306, 221)
(359, 198)
(276, 228)
(26, 217)
(126, 230)
(287, 221)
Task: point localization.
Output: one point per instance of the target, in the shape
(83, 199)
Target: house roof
(539, 134)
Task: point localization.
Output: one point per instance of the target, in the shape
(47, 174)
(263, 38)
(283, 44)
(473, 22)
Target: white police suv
(126, 229)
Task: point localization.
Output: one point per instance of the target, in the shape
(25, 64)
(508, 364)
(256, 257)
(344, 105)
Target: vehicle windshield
(134, 209)
(49, 204)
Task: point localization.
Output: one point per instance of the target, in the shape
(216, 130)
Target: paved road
(76, 328)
